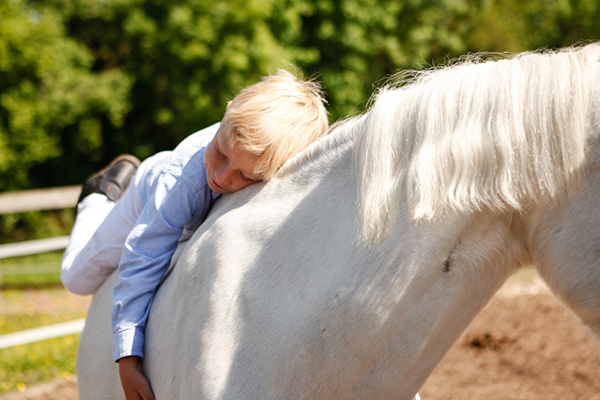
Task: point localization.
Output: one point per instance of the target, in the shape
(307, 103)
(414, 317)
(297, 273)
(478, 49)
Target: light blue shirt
(176, 199)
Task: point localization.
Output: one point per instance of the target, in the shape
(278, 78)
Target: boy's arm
(177, 199)
(135, 384)
(146, 256)
(180, 196)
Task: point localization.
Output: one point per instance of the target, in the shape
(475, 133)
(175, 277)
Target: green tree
(360, 42)
(48, 93)
(185, 59)
(515, 25)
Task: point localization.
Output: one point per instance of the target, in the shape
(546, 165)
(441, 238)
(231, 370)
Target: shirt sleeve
(146, 256)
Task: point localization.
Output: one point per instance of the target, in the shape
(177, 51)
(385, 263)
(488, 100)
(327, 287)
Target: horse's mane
(501, 135)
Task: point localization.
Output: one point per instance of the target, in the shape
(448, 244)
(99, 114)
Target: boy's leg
(82, 274)
(91, 212)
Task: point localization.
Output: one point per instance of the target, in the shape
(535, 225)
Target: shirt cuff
(128, 342)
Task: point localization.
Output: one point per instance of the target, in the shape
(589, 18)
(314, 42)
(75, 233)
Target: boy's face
(228, 168)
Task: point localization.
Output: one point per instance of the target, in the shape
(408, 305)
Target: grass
(36, 271)
(25, 365)
(32, 296)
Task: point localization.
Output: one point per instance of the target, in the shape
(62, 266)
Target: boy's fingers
(145, 390)
(146, 394)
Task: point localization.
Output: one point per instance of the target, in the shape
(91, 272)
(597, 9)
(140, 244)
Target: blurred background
(82, 81)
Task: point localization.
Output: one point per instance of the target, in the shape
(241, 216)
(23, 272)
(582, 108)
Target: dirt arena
(523, 346)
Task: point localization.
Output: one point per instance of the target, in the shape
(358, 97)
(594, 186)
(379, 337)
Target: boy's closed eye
(242, 174)
(218, 149)
(244, 177)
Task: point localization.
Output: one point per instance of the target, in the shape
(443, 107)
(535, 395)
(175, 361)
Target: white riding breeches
(100, 230)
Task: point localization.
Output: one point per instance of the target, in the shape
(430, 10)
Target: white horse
(353, 271)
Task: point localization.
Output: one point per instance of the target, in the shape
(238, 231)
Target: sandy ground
(523, 345)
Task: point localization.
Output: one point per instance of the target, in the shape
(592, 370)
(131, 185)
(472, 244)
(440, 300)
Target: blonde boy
(169, 196)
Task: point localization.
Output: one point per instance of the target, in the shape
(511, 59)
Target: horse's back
(242, 275)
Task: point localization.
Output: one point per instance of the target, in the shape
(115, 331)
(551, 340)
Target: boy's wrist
(128, 342)
(129, 360)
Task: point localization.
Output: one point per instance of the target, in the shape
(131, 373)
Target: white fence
(37, 200)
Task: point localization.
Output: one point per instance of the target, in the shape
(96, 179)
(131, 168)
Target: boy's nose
(222, 176)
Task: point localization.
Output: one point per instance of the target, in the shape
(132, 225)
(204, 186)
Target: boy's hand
(135, 384)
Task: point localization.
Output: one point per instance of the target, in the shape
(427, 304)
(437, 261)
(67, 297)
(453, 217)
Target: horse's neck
(436, 277)
(424, 281)
(419, 287)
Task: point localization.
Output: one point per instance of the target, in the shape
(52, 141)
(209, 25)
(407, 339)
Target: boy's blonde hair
(276, 118)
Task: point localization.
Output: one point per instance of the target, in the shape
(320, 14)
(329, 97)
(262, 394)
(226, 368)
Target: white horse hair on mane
(501, 134)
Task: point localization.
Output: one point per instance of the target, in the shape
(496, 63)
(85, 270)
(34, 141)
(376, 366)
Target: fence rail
(33, 247)
(38, 200)
(43, 333)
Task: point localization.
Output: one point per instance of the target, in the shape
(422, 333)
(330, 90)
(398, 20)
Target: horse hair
(502, 134)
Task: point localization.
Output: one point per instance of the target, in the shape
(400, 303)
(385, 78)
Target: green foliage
(515, 26)
(35, 225)
(47, 88)
(185, 59)
(362, 41)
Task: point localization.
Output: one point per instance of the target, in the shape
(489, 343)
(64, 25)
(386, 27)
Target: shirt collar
(215, 195)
